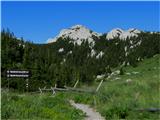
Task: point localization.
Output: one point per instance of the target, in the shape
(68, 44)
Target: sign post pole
(27, 84)
(8, 90)
(8, 84)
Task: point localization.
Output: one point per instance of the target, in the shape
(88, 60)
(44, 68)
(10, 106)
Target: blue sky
(38, 21)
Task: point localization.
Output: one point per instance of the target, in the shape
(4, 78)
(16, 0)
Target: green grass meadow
(120, 97)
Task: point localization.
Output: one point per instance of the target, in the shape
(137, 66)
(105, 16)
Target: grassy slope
(142, 91)
(116, 98)
(120, 99)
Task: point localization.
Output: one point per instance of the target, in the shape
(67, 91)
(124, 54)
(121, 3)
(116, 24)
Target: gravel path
(90, 112)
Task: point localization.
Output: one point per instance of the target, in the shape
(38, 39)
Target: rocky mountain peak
(122, 34)
(78, 33)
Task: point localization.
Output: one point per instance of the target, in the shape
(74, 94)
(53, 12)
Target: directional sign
(18, 73)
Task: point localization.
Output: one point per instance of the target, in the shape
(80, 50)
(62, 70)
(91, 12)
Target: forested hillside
(64, 62)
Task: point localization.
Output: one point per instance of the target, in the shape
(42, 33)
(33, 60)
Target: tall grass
(38, 107)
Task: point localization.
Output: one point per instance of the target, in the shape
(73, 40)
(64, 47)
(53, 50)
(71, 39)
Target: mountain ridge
(79, 33)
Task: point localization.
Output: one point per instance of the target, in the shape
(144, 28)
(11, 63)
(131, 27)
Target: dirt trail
(90, 112)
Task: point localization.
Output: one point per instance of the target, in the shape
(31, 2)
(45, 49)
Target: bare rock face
(123, 35)
(115, 33)
(78, 33)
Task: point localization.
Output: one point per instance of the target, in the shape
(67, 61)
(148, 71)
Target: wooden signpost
(18, 74)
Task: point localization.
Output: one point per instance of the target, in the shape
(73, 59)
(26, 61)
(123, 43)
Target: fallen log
(60, 89)
(79, 90)
(63, 89)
